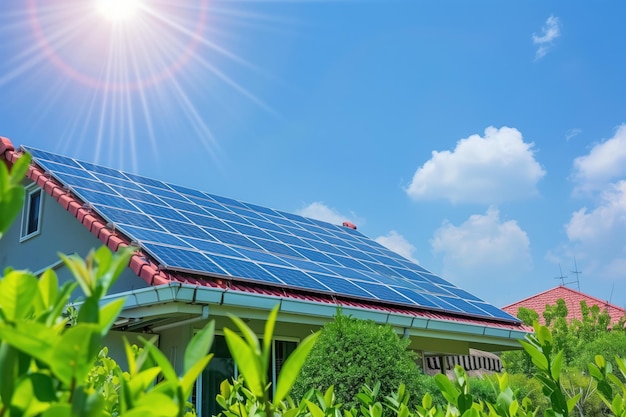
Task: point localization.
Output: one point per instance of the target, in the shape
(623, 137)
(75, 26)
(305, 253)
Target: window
(222, 367)
(31, 213)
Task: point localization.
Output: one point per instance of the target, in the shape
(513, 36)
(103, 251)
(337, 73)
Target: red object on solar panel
(350, 225)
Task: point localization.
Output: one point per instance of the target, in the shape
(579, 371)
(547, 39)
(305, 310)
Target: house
(201, 256)
(572, 298)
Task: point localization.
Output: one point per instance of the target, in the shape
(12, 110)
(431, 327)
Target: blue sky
(486, 140)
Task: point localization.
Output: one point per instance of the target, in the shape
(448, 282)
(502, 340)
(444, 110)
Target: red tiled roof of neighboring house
(572, 300)
(148, 269)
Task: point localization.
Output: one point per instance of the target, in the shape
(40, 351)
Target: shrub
(350, 353)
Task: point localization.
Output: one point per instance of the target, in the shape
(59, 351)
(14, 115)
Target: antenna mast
(561, 277)
(577, 273)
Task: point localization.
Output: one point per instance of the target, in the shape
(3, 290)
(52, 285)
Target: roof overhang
(162, 306)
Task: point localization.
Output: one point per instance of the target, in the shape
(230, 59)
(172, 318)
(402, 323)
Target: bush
(350, 353)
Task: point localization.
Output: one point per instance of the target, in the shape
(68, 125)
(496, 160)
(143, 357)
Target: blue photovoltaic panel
(159, 211)
(183, 229)
(295, 278)
(246, 270)
(130, 218)
(208, 221)
(190, 230)
(182, 259)
(148, 235)
(259, 256)
(102, 170)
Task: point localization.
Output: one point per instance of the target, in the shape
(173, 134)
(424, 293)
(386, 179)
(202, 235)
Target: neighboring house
(572, 298)
(202, 256)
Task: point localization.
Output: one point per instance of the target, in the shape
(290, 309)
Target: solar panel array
(193, 231)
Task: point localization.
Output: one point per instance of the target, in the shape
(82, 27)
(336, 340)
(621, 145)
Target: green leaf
(199, 346)
(571, 403)
(536, 355)
(58, 410)
(110, 267)
(18, 291)
(314, 409)
(555, 372)
(159, 404)
(191, 376)
(87, 405)
(141, 381)
(48, 289)
(89, 311)
(166, 367)
(448, 390)
(248, 362)
(268, 335)
(19, 169)
(248, 334)
(109, 313)
(465, 402)
(75, 352)
(9, 372)
(43, 387)
(292, 367)
(79, 270)
(33, 338)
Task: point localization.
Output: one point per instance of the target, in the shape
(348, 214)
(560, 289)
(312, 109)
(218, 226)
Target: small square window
(31, 213)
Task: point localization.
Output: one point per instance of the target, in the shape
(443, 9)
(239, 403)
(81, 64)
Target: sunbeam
(119, 65)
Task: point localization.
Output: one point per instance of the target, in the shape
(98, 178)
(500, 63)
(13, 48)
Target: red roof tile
(146, 268)
(572, 300)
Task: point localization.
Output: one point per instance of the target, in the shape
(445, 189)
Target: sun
(118, 10)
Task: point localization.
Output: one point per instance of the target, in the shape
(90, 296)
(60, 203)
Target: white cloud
(572, 133)
(605, 162)
(483, 252)
(597, 235)
(549, 32)
(397, 243)
(497, 167)
(321, 211)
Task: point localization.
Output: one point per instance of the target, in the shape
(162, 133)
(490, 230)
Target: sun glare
(118, 10)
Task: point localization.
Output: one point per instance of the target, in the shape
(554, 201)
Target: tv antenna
(577, 273)
(561, 277)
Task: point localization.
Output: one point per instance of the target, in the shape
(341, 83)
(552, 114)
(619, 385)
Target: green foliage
(253, 361)
(351, 353)
(610, 344)
(11, 191)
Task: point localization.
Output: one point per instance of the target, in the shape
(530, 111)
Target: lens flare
(127, 72)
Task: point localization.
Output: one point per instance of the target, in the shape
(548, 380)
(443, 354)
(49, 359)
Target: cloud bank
(596, 231)
(605, 162)
(496, 167)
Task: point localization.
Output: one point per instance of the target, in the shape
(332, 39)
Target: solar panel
(190, 230)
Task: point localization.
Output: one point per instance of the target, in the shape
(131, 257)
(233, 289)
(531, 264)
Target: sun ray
(123, 78)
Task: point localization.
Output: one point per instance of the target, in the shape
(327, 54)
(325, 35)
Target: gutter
(205, 296)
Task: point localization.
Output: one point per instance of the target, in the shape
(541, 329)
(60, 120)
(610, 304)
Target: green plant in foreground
(11, 191)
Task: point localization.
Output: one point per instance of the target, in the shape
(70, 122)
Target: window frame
(30, 191)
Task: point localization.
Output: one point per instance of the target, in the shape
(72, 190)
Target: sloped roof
(150, 270)
(572, 300)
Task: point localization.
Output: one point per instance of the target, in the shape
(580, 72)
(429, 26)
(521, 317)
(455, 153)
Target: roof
(572, 300)
(152, 271)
